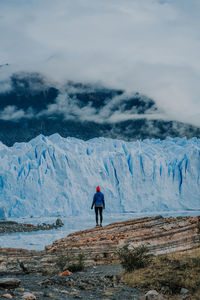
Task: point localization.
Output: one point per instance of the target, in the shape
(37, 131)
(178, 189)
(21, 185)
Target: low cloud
(90, 103)
(151, 47)
(12, 113)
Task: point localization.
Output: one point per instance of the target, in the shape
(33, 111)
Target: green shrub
(78, 266)
(72, 264)
(135, 258)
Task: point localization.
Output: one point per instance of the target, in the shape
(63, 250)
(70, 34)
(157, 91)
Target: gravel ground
(94, 283)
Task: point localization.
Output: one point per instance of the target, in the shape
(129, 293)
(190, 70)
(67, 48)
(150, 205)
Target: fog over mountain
(150, 47)
(31, 105)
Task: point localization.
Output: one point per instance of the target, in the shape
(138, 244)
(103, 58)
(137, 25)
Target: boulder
(65, 273)
(59, 223)
(7, 296)
(29, 296)
(3, 267)
(153, 295)
(9, 283)
(184, 291)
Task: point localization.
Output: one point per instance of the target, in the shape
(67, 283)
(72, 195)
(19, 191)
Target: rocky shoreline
(39, 274)
(11, 226)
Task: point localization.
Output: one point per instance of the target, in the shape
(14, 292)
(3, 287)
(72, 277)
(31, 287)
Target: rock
(59, 223)
(38, 293)
(165, 289)
(65, 273)
(23, 267)
(20, 290)
(161, 233)
(73, 293)
(48, 295)
(153, 295)
(7, 296)
(9, 283)
(184, 291)
(108, 294)
(3, 267)
(64, 292)
(29, 296)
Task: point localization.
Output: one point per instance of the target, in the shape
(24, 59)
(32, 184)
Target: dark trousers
(98, 209)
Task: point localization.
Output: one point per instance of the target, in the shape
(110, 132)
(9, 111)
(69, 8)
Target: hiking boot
(97, 225)
(100, 225)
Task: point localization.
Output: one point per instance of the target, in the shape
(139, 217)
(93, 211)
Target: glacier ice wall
(58, 176)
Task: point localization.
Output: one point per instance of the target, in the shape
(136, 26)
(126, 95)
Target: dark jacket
(98, 200)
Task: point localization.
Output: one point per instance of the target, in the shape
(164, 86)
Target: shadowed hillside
(32, 106)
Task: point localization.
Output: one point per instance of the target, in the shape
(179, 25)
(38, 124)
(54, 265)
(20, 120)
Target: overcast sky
(146, 46)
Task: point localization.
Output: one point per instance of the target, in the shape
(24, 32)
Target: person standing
(99, 203)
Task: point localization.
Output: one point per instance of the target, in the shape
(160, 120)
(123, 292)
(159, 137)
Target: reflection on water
(37, 240)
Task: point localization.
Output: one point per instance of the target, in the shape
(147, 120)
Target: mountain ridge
(33, 105)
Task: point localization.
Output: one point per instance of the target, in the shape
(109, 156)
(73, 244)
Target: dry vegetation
(168, 274)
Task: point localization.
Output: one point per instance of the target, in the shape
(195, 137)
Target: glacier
(55, 176)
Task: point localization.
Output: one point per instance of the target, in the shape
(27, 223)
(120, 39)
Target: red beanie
(98, 189)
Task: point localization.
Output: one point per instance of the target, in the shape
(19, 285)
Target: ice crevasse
(51, 176)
